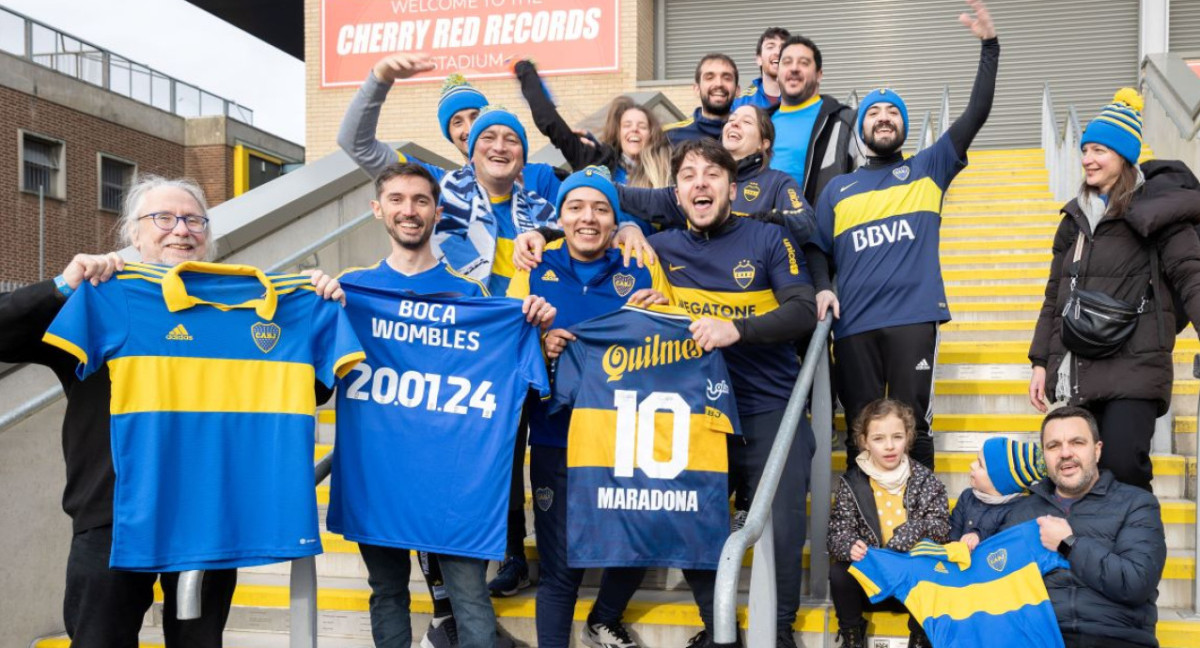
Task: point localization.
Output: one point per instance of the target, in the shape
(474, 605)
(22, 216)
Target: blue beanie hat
(1013, 466)
(1118, 126)
(492, 116)
(457, 95)
(596, 177)
(882, 95)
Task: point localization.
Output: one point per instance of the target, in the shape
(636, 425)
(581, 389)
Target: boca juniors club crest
(623, 283)
(743, 274)
(901, 173)
(751, 191)
(998, 559)
(796, 202)
(266, 335)
(544, 498)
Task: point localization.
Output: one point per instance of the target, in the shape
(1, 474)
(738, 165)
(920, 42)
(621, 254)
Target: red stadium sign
(470, 37)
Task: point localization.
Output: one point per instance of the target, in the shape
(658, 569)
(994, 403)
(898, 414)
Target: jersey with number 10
(426, 425)
(646, 454)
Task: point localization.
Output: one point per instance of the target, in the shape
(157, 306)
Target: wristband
(60, 282)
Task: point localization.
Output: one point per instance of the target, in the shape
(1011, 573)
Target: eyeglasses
(165, 220)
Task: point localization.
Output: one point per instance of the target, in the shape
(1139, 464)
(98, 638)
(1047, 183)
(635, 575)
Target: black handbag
(1095, 324)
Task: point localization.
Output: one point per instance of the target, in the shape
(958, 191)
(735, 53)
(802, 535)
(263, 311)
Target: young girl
(1000, 475)
(890, 501)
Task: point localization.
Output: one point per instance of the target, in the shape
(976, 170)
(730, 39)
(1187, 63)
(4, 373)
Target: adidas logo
(941, 569)
(550, 276)
(179, 333)
(922, 365)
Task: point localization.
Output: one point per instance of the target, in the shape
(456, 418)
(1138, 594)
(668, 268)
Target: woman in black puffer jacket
(1125, 217)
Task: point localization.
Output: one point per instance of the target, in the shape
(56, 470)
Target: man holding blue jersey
(584, 277)
(878, 231)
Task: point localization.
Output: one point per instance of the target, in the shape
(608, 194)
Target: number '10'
(636, 433)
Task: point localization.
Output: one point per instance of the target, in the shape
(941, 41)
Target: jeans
(558, 588)
(104, 608)
(388, 571)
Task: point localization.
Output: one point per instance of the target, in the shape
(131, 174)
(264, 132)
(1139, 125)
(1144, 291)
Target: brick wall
(75, 224)
(212, 167)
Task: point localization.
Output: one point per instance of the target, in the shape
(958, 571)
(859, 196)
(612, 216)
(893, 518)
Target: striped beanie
(1118, 126)
(596, 177)
(457, 94)
(1012, 465)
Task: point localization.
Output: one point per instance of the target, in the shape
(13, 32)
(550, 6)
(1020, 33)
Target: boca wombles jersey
(998, 592)
(426, 424)
(733, 273)
(213, 408)
(882, 226)
(646, 449)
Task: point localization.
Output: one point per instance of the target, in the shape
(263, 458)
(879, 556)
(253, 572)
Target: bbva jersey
(733, 274)
(213, 408)
(1000, 594)
(426, 425)
(882, 227)
(440, 279)
(557, 279)
(646, 453)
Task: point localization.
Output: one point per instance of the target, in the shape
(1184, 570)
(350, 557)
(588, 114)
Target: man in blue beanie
(879, 227)
(583, 276)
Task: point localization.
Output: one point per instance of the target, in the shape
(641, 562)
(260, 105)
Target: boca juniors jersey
(426, 425)
(1000, 594)
(882, 227)
(646, 453)
(733, 274)
(213, 371)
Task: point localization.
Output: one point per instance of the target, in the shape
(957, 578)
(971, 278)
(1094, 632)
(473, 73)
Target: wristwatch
(1065, 546)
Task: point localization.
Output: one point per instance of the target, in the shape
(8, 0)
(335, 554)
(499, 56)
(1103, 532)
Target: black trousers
(849, 599)
(897, 362)
(1090, 641)
(515, 541)
(1126, 427)
(104, 608)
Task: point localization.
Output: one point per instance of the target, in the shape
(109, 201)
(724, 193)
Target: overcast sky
(192, 45)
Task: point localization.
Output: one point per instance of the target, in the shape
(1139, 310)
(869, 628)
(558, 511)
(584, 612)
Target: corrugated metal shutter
(1086, 49)
(1185, 27)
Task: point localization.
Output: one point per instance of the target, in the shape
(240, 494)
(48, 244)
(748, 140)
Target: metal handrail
(925, 136)
(814, 378)
(944, 113)
(1064, 161)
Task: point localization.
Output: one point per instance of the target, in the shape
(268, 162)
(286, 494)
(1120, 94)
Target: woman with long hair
(1128, 237)
(631, 143)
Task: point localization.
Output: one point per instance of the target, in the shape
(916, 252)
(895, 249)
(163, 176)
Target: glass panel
(263, 171)
(160, 90)
(12, 33)
(120, 77)
(211, 104)
(187, 100)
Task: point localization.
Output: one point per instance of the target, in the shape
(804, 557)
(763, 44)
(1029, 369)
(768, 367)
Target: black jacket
(551, 124)
(832, 150)
(695, 127)
(854, 516)
(25, 314)
(1116, 563)
(973, 516)
(1116, 261)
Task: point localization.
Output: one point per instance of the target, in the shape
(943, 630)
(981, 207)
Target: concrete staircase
(996, 235)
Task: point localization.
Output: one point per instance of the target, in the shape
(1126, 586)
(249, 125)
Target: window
(252, 168)
(42, 165)
(115, 177)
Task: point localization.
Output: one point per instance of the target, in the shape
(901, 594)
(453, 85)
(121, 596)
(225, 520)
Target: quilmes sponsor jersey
(213, 408)
(881, 225)
(557, 278)
(646, 459)
(733, 274)
(1000, 593)
(426, 425)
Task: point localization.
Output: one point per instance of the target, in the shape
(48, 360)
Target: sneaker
(512, 577)
(785, 638)
(607, 635)
(701, 640)
(853, 636)
(442, 633)
(739, 521)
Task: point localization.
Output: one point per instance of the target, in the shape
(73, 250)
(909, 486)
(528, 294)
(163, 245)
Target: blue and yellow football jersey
(1000, 594)
(646, 452)
(426, 425)
(606, 288)
(882, 227)
(440, 279)
(213, 408)
(731, 275)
